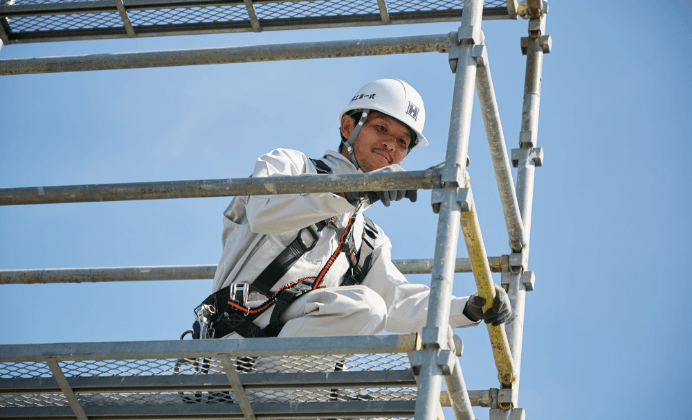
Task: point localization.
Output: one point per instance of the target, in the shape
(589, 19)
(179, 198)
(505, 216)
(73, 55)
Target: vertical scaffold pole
(434, 335)
(526, 158)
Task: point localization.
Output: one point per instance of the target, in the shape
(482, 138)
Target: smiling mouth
(383, 155)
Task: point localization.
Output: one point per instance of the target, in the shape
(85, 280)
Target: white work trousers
(351, 310)
(332, 311)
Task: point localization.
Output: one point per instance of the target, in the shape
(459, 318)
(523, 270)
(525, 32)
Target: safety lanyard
(317, 280)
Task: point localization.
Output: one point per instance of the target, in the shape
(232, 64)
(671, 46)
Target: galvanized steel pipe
(174, 349)
(189, 272)
(532, 93)
(484, 398)
(498, 153)
(247, 54)
(437, 323)
(525, 183)
(458, 394)
(107, 274)
(220, 187)
(462, 265)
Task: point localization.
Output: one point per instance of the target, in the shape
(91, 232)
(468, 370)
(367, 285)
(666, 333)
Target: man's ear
(347, 126)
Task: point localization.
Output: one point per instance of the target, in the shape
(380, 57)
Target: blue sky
(607, 330)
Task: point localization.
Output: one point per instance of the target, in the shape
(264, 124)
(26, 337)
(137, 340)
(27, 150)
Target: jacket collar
(339, 164)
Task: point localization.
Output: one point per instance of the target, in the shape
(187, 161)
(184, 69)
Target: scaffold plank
(211, 382)
(50, 20)
(270, 410)
(377, 381)
(276, 378)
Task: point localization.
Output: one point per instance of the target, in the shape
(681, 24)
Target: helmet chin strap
(352, 139)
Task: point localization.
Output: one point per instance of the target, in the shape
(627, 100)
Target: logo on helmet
(363, 95)
(412, 111)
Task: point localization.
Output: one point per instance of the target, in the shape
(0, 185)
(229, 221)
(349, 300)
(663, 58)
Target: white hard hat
(395, 98)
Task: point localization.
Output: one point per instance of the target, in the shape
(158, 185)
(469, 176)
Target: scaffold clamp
(458, 345)
(532, 9)
(470, 35)
(518, 261)
(467, 35)
(545, 41)
(528, 279)
(511, 414)
(480, 54)
(534, 154)
(444, 360)
(537, 27)
(464, 198)
(508, 396)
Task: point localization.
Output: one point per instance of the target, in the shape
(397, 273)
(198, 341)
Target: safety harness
(227, 310)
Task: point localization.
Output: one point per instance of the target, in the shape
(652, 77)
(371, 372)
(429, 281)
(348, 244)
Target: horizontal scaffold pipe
(189, 272)
(192, 349)
(220, 187)
(224, 55)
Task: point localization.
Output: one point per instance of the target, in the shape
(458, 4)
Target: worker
(299, 265)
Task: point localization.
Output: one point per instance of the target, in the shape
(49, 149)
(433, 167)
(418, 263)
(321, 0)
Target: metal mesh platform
(369, 377)
(59, 20)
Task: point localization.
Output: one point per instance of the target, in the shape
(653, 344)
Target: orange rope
(328, 265)
(317, 280)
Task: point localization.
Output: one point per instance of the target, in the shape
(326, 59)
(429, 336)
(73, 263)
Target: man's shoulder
(281, 162)
(286, 154)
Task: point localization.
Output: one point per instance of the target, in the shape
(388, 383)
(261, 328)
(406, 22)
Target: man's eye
(403, 142)
(381, 128)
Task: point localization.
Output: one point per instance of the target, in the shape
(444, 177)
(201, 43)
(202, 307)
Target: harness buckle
(315, 236)
(239, 293)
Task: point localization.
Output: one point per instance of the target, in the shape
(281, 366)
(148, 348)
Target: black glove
(354, 197)
(499, 313)
(391, 195)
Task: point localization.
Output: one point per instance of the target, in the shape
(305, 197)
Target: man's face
(381, 142)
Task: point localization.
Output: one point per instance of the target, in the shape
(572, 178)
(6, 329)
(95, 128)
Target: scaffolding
(381, 376)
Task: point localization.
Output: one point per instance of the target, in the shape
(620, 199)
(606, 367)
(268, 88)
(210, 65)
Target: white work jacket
(257, 228)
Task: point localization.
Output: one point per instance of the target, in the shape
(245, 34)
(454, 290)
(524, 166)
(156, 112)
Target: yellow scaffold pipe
(484, 282)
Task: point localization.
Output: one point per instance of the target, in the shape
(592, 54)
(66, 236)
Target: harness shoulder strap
(362, 260)
(370, 228)
(287, 258)
(296, 249)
